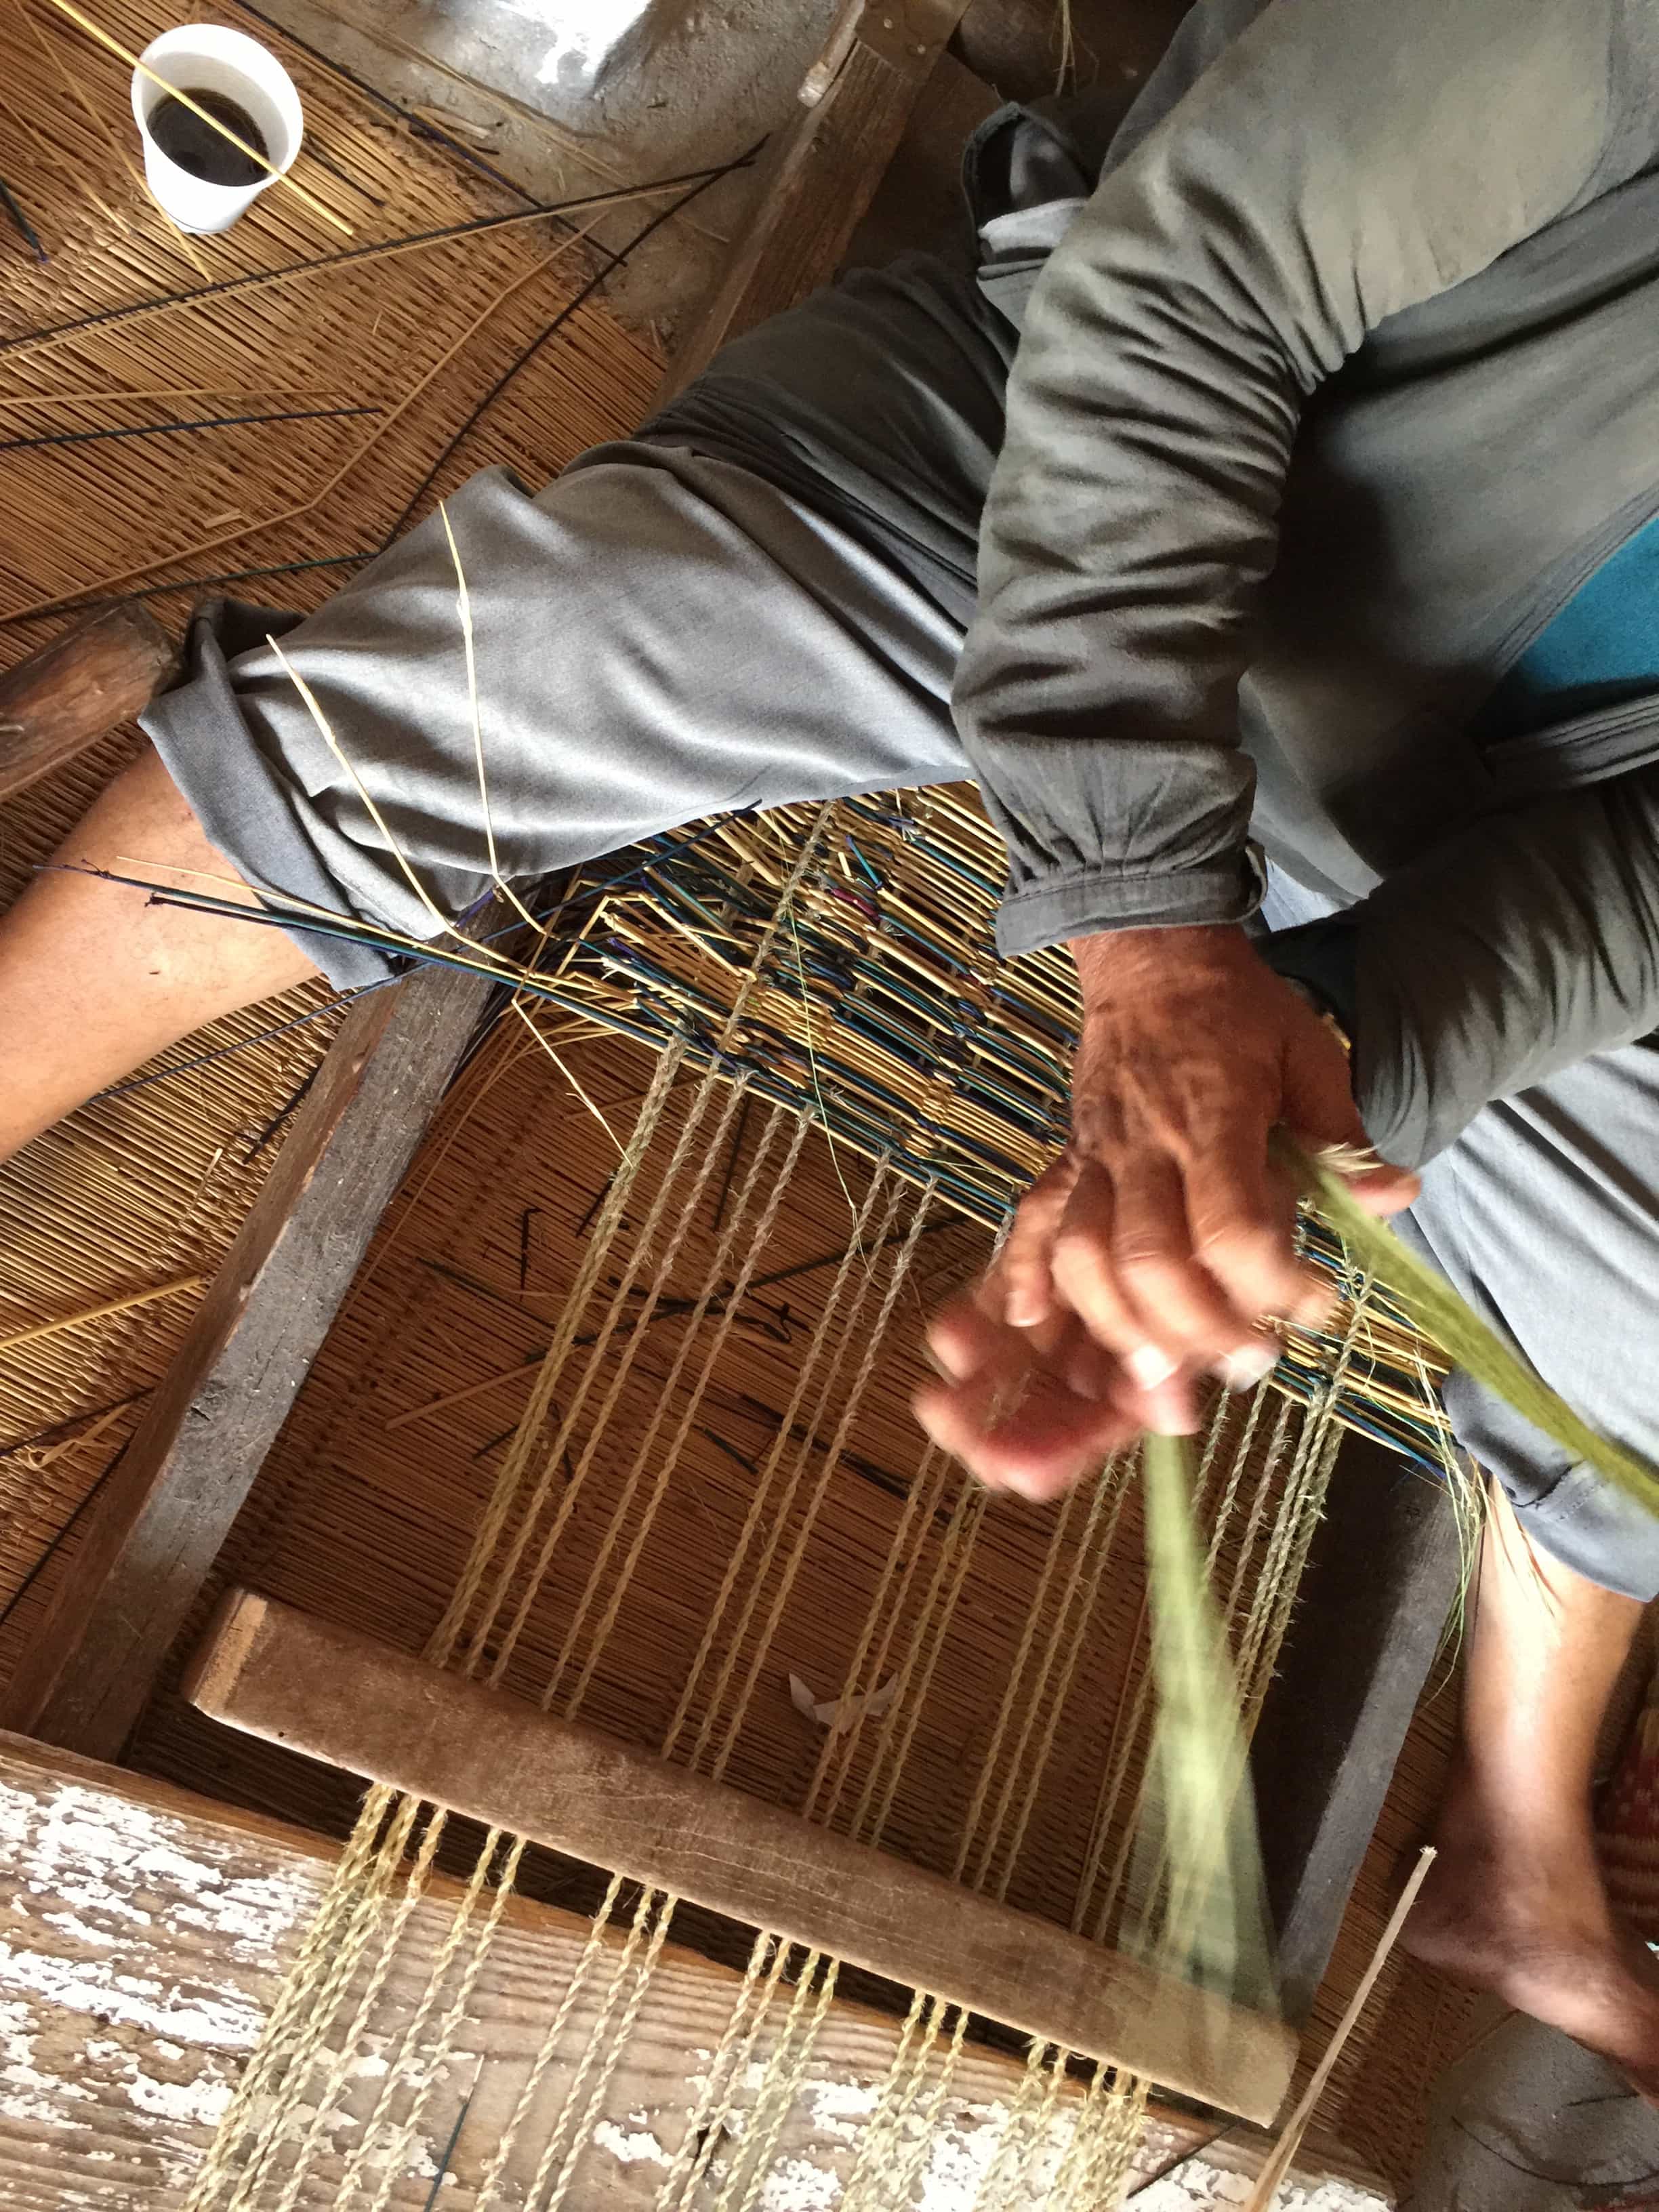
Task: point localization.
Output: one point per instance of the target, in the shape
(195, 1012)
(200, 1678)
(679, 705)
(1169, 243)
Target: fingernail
(1149, 1366)
(1243, 1369)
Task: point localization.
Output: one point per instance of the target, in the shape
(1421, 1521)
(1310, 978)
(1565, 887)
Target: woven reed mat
(146, 1188)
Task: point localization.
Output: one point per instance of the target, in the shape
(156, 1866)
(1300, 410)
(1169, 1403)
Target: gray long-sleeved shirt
(1385, 272)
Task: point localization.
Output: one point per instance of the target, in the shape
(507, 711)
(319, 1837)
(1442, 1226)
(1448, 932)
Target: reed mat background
(357, 1521)
(150, 1185)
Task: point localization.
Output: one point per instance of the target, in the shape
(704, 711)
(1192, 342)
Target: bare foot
(1535, 1928)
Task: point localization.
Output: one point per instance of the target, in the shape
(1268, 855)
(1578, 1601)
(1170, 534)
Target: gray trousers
(679, 626)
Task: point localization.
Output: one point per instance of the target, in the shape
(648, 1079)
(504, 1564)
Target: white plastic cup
(206, 57)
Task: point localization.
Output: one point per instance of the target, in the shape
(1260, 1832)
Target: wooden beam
(823, 168)
(87, 682)
(1372, 1606)
(337, 1696)
(159, 1524)
(128, 2069)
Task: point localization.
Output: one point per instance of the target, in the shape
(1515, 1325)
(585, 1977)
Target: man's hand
(1164, 1230)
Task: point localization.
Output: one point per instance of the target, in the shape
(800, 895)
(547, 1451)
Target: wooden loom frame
(1383, 1563)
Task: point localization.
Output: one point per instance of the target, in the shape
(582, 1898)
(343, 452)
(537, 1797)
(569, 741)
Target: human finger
(1023, 1270)
(1036, 1441)
(1320, 1113)
(1089, 1276)
(1165, 1272)
(1243, 1215)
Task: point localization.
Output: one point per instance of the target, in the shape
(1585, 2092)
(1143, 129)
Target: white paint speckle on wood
(132, 1991)
(629, 2146)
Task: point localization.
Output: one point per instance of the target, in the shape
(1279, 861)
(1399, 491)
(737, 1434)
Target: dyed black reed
(161, 429)
(26, 229)
(227, 287)
(188, 584)
(571, 307)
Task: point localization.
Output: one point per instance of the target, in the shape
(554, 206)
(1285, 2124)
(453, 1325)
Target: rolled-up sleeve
(1335, 163)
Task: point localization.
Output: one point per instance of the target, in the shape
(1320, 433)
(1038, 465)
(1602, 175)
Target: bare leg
(94, 979)
(1515, 1903)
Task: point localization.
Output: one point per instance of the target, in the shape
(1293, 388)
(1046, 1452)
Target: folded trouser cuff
(1054, 908)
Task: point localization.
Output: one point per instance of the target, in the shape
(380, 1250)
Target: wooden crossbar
(271, 1671)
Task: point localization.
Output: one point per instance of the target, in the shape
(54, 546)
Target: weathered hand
(1164, 1230)
(1032, 1410)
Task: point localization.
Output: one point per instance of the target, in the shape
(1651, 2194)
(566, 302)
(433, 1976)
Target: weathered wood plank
(144, 1932)
(337, 1696)
(162, 1517)
(97, 674)
(823, 168)
(1372, 1606)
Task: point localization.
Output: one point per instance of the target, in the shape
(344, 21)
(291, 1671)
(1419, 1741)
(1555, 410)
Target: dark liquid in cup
(198, 147)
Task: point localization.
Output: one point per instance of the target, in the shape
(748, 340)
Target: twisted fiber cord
(668, 1200)
(780, 2087)
(894, 2151)
(913, 2168)
(1285, 1598)
(611, 1216)
(1016, 2138)
(879, 1607)
(870, 1817)
(836, 1754)
(317, 1983)
(649, 1900)
(897, 2093)
(277, 2080)
(854, 2196)
(1104, 2142)
(490, 2180)
(619, 2042)
(706, 2121)
(460, 1933)
(1073, 1640)
(1286, 1411)
(924, 1493)
(1303, 1462)
(1304, 1502)
(1020, 2176)
(1095, 2118)
(352, 1949)
(1304, 1518)
(1236, 1606)
(921, 1662)
(779, 2093)
(739, 1226)
(845, 1273)
(953, 1557)
(1018, 1671)
(352, 1892)
(871, 2184)
(1027, 1760)
(509, 1482)
(830, 1460)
